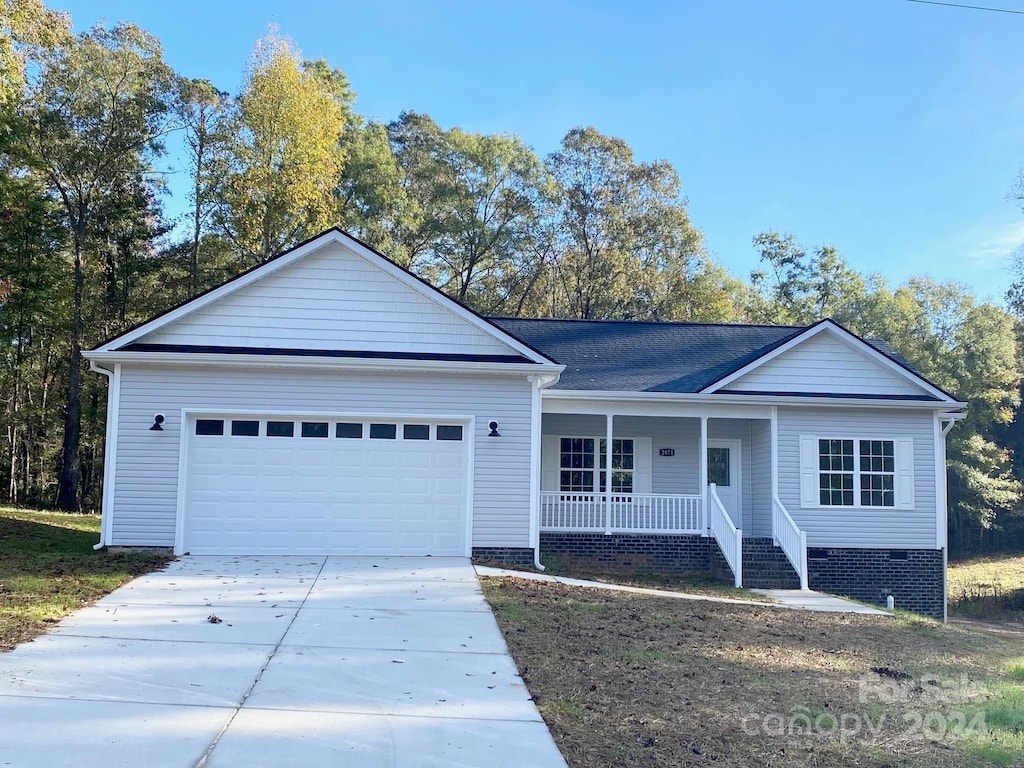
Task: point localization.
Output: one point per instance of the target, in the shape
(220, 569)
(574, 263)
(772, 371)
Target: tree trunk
(67, 486)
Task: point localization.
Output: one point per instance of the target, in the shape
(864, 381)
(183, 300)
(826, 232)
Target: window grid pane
(718, 467)
(209, 426)
(416, 432)
(449, 432)
(348, 430)
(835, 478)
(314, 429)
(878, 473)
(245, 428)
(383, 431)
(280, 429)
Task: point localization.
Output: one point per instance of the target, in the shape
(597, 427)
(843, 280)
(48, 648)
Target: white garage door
(290, 485)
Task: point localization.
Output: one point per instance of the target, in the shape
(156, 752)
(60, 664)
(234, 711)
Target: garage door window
(383, 431)
(209, 426)
(348, 430)
(416, 432)
(280, 429)
(449, 432)
(245, 428)
(314, 429)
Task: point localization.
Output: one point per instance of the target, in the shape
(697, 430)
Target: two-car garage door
(267, 484)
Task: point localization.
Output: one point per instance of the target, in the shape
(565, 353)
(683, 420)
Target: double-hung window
(582, 464)
(856, 472)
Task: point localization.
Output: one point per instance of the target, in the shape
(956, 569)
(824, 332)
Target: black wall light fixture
(493, 426)
(158, 423)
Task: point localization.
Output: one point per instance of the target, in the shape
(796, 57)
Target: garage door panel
(261, 494)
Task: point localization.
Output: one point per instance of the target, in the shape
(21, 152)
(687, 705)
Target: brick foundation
(628, 553)
(521, 556)
(912, 576)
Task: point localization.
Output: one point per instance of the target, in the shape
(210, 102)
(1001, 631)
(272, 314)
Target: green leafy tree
(474, 208)
(202, 111)
(627, 248)
(92, 122)
(286, 158)
(25, 26)
(798, 288)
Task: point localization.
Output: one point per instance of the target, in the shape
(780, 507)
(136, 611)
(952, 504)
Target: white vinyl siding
(680, 473)
(332, 299)
(825, 364)
(758, 522)
(145, 492)
(675, 474)
(887, 527)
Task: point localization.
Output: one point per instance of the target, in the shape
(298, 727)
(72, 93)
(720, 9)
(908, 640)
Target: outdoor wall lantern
(493, 426)
(158, 423)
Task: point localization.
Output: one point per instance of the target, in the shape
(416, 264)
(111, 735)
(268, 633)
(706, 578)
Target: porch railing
(790, 538)
(621, 513)
(728, 536)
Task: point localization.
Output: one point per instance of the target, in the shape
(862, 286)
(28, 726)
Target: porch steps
(765, 566)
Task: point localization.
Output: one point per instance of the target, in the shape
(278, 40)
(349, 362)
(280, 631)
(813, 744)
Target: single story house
(331, 402)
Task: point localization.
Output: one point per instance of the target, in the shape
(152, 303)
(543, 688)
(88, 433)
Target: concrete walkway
(276, 661)
(793, 599)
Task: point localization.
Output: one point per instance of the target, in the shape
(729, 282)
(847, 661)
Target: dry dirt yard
(627, 680)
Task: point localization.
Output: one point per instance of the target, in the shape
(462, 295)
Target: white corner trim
(845, 337)
(179, 524)
(470, 423)
(109, 452)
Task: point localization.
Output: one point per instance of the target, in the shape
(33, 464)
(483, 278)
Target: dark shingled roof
(633, 356)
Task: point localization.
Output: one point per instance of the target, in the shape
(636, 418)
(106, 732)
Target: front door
(724, 471)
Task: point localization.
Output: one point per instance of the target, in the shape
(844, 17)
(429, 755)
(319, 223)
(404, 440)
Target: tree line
(88, 247)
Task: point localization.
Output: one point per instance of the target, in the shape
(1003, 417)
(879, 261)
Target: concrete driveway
(276, 661)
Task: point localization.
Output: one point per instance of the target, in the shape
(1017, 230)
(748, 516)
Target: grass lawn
(987, 589)
(48, 569)
(633, 680)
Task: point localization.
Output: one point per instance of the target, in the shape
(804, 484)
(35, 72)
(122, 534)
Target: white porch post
(704, 473)
(609, 419)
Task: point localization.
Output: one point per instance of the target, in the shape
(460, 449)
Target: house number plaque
(666, 451)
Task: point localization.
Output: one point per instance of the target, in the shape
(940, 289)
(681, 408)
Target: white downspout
(110, 449)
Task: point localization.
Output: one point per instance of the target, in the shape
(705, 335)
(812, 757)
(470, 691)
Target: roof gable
(331, 294)
(827, 359)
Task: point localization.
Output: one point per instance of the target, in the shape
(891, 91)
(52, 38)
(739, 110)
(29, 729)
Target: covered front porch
(674, 472)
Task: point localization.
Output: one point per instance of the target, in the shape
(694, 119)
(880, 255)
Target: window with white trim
(856, 472)
(581, 459)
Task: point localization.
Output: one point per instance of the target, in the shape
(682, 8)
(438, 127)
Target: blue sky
(890, 129)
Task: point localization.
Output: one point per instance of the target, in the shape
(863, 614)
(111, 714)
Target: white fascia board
(847, 338)
(610, 398)
(349, 363)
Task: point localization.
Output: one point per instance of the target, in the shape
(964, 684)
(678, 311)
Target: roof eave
(768, 400)
(308, 362)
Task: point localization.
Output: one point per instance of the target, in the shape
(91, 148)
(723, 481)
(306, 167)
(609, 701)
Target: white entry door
(724, 471)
